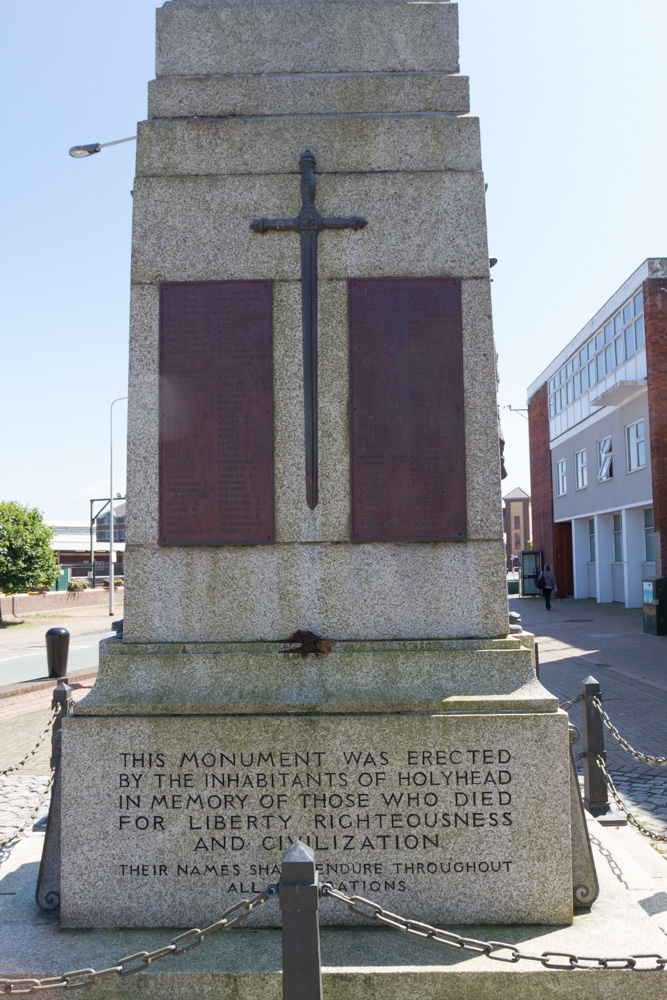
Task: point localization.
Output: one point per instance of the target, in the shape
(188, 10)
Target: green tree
(27, 560)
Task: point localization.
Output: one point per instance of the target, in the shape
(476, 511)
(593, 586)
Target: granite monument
(316, 642)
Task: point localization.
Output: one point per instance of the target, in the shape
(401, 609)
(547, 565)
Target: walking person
(547, 582)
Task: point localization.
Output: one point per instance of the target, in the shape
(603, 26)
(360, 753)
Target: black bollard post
(596, 796)
(299, 896)
(57, 651)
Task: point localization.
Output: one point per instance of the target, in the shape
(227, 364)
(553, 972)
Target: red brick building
(598, 447)
(516, 524)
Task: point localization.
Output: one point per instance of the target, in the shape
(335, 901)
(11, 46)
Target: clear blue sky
(571, 98)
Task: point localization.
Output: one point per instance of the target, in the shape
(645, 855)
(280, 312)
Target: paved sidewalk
(577, 639)
(23, 633)
(22, 720)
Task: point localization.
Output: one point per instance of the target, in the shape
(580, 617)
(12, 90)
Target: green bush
(27, 561)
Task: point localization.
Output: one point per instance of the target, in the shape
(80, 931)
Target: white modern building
(590, 440)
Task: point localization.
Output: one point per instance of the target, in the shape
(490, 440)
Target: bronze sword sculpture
(308, 223)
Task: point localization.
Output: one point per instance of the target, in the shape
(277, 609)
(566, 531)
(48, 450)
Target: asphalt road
(29, 662)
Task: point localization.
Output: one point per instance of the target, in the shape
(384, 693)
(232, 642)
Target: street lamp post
(94, 147)
(111, 566)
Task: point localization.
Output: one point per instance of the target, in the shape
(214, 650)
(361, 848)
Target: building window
(618, 538)
(561, 478)
(620, 338)
(634, 436)
(591, 539)
(517, 521)
(648, 535)
(605, 463)
(580, 470)
(517, 540)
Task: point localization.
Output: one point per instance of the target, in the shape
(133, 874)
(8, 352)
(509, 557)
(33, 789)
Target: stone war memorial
(316, 641)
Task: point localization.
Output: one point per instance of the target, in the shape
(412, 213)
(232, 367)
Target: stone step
(629, 917)
(309, 93)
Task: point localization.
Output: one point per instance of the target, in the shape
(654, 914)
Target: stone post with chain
(47, 894)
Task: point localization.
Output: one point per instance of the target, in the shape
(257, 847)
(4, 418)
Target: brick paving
(22, 719)
(577, 639)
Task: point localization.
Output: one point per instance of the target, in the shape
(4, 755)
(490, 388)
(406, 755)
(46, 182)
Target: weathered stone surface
(143, 415)
(352, 677)
(430, 141)
(330, 521)
(422, 674)
(494, 857)
(198, 229)
(481, 414)
(246, 964)
(307, 93)
(305, 38)
(381, 590)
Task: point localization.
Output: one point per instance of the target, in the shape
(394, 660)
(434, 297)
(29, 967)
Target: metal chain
(568, 704)
(31, 753)
(31, 817)
(141, 960)
(496, 950)
(643, 758)
(621, 805)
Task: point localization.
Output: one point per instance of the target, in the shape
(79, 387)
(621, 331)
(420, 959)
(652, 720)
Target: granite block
(198, 229)
(307, 94)
(480, 386)
(330, 521)
(380, 590)
(349, 678)
(367, 143)
(306, 38)
(143, 414)
(171, 820)
(295, 521)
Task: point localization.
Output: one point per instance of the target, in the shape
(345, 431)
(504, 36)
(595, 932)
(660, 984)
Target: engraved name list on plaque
(216, 413)
(407, 439)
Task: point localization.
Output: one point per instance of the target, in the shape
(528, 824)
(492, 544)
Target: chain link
(643, 758)
(31, 753)
(141, 960)
(32, 816)
(568, 704)
(644, 830)
(499, 951)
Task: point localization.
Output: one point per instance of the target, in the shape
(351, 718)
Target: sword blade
(309, 330)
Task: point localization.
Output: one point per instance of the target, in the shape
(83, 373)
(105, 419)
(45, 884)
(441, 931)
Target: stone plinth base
(359, 962)
(429, 771)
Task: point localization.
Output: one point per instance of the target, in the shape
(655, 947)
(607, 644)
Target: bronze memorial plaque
(216, 413)
(406, 410)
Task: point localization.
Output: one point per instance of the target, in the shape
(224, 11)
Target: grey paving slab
(581, 638)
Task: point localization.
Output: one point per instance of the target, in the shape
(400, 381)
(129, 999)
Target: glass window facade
(617, 341)
(561, 478)
(649, 538)
(580, 470)
(636, 446)
(605, 463)
(591, 539)
(618, 538)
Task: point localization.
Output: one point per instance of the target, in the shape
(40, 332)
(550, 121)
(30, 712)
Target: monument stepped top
(284, 3)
